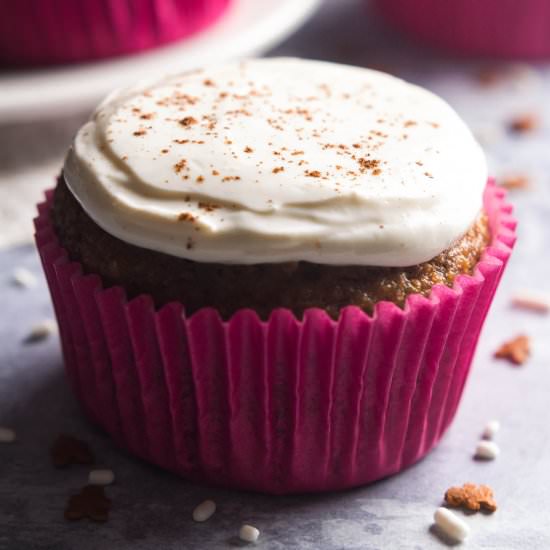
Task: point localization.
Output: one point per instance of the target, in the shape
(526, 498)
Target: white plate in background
(249, 27)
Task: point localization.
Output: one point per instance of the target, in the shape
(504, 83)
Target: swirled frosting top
(275, 160)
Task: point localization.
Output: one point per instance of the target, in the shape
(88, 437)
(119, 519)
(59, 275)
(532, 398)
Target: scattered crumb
(68, 450)
(525, 123)
(532, 301)
(472, 497)
(90, 503)
(248, 533)
(41, 331)
(489, 76)
(23, 278)
(516, 350)
(514, 182)
(451, 525)
(7, 435)
(101, 477)
(490, 430)
(204, 511)
(487, 450)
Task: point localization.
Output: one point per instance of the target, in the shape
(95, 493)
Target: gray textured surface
(152, 509)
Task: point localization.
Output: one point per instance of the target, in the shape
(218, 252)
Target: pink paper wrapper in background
(492, 28)
(38, 32)
(278, 406)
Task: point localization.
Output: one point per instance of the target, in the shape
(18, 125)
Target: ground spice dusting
(278, 169)
(208, 206)
(248, 149)
(313, 173)
(188, 121)
(180, 165)
(368, 164)
(200, 179)
(187, 217)
(140, 132)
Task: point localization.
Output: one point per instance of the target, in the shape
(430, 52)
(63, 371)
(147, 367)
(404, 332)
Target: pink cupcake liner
(39, 32)
(278, 406)
(491, 28)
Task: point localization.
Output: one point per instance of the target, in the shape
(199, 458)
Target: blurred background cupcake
(41, 32)
(492, 28)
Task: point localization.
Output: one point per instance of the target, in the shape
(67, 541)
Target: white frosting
(276, 160)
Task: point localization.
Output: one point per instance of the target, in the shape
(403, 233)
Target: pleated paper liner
(491, 28)
(38, 32)
(279, 406)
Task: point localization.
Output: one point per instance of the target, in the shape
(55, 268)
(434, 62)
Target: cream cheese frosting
(276, 160)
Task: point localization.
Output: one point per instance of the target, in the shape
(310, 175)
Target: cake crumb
(67, 450)
(538, 302)
(524, 123)
(7, 435)
(516, 351)
(514, 182)
(23, 278)
(90, 503)
(472, 497)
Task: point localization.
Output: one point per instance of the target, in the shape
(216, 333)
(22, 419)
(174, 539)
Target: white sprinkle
(248, 533)
(491, 428)
(101, 477)
(532, 301)
(24, 278)
(204, 511)
(451, 524)
(42, 330)
(488, 450)
(7, 435)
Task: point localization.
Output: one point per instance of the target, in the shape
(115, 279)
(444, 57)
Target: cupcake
(39, 32)
(272, 275)
(491, 28)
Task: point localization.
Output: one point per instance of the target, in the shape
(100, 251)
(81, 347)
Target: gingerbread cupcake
(272, 275)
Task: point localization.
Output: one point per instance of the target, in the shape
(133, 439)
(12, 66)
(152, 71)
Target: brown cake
(262, 287)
